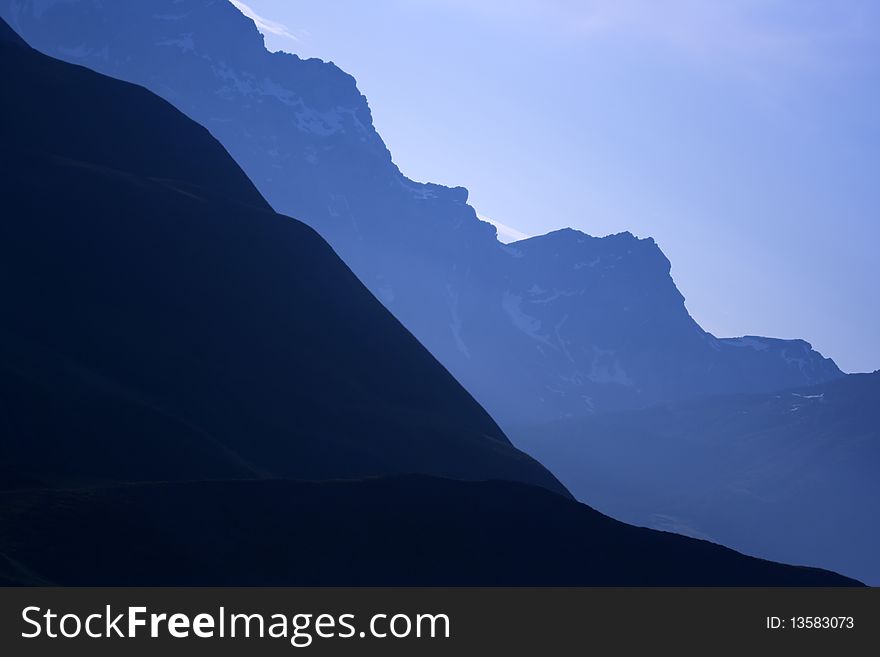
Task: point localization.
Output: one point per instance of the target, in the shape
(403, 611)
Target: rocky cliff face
(559, 325)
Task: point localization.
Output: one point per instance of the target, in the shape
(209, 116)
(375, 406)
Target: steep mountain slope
(790, 476)
(162, 322)
(559, 325)
(397, 531)
(169, 344)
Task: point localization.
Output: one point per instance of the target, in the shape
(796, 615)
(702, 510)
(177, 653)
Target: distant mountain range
(554, 326)
(175, 354)
(789, 475)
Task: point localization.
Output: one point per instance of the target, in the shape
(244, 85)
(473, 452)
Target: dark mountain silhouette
(790, 476)
(559, 325)
(171, 346)
(398, 531)
(9, 36)
(162, 322)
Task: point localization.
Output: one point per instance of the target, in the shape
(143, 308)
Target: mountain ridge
(303, 132)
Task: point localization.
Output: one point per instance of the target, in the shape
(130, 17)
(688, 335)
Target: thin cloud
(742, 34)
(264, 24)
(735, 30)
(506, 234)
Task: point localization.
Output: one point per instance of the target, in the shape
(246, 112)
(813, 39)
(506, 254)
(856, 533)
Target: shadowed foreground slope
(398, 531)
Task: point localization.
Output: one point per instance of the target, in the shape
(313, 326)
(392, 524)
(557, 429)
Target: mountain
(393, 531)
(162, 322)
(554, 326)
(789, 476)
(175, 354)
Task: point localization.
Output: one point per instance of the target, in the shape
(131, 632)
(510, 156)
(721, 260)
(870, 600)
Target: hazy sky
(743, 135)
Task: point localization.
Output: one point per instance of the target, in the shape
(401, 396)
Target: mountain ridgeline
(554, 326)
(177, 359)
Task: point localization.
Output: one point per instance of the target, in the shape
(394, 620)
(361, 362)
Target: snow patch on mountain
(512, 304)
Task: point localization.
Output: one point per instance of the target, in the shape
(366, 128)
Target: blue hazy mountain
(790, 476)
(559, 325)
(173, 352)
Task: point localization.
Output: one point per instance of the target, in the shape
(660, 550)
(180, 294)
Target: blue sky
(743, 135)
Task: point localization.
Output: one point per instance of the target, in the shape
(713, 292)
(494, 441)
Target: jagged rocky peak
(300, 128)
(230, 57)
(761, 343)
(623, 270)
(798, 356)
(568, 243)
